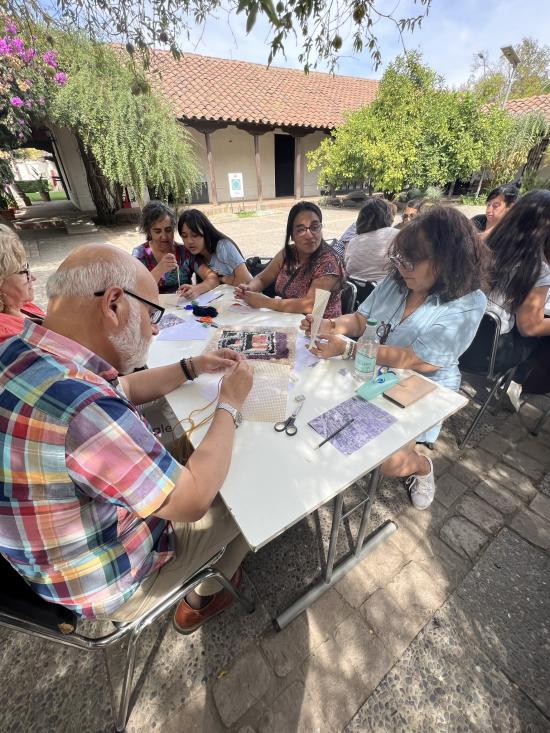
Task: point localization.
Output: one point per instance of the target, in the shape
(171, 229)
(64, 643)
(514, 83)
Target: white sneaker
(514, 395)
(422, 488)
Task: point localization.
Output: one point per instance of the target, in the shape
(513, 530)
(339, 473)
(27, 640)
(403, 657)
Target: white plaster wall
(233, 152)
(310, 184)
(73, 168)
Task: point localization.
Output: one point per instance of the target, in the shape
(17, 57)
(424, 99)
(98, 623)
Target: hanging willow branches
(129, 129)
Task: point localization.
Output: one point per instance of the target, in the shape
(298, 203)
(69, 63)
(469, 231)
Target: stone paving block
(532, 527)
(541, 505)
(324, 615)
(500, 498)
(396, 626)
(480, 513)
(463, 537)
(506, 476)
(290, 712)
(443, 564)
(369, 655)
(196, 715)
(288, 648)
(496, 444)
(504, 607)
(373, 572)
(525, 464)
(536, 448)
(333, 686)
(449, 489)
(464, 474)
(414, 587)
(415, 525)
(244, 685)
(544, 485)
(444, 684)
(478, 461)
(515, 428)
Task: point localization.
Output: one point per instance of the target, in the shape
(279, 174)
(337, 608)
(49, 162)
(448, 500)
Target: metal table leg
(334, 572)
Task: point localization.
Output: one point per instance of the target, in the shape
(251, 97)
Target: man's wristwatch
(235, 414)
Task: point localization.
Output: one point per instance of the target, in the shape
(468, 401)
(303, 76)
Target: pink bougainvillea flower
(27, 55)
(18, 45)
(61, 78)
(42, 101)
(50, 58)
(16, 102)
(5, 46)
(11, 27)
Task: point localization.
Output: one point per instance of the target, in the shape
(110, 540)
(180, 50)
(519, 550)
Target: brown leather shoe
(187, 619)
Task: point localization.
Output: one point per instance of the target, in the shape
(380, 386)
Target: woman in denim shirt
(430, 306)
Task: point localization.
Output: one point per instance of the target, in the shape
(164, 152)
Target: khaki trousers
(196, 543)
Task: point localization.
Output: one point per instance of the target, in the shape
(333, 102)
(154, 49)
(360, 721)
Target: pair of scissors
(288, 425)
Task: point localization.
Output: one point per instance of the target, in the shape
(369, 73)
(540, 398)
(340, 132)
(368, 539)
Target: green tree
(489, 80)
(415, 134)
(517, 136)
(318, 25)
(128, 131)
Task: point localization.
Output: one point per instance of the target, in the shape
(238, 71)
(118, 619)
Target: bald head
(92, 268)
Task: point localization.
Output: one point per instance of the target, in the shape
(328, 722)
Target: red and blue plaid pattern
(80, 479)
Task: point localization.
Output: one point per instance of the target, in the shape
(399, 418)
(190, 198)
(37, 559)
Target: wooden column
(213, 190)
(258, 161)
(297, 167)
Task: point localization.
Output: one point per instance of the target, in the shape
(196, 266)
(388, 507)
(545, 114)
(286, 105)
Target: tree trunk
(451, 189)
(107, 198)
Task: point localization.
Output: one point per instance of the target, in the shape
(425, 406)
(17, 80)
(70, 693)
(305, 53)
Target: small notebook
(409, 391)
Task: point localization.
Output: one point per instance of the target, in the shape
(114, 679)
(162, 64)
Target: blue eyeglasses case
(370, 390)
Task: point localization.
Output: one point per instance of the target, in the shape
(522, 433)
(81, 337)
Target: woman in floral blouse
(304, 264)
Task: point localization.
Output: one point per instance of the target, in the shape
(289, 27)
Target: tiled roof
(540, 103)
(206, 88)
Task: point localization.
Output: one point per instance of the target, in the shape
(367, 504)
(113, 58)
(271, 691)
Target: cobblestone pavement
(444, 627)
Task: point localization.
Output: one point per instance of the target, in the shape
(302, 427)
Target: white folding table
(276, 480)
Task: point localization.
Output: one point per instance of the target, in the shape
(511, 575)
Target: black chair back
(18, 599)
(349, 297)
(364, 289)
(479, 357)
(255, 265)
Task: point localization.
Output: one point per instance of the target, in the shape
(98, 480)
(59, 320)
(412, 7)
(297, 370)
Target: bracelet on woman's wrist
(188, 369)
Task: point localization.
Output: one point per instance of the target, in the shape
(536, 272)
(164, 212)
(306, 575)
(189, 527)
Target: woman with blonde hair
(16, 286)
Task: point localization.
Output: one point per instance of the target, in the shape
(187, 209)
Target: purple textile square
(368, 422)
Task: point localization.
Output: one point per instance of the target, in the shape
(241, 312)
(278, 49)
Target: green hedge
(33, 186)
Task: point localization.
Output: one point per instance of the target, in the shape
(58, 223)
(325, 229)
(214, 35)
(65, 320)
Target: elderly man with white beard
(95, 513)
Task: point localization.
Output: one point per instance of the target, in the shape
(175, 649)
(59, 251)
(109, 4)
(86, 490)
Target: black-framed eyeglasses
(156, 312)
(401, 262)
(315, 228)
(26, 271)
(383, 331)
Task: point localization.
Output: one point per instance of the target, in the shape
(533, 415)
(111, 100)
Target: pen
(216, 298)
(339, 430)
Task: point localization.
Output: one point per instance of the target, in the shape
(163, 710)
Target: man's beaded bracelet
(188, 369)
(349, 350)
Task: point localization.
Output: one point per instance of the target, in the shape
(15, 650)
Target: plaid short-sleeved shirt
(80, 478)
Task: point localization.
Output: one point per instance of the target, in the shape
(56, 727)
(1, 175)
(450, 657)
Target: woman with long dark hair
(207, 244)
(304, 264)
(428, 310)
(519, 283)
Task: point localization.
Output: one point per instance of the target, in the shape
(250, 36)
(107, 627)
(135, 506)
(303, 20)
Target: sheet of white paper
(304, 357)
(203, 299)
(186, 331)
(321, 300)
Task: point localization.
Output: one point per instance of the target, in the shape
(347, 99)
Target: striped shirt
(80, 478)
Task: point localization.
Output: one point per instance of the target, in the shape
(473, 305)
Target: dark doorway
(284, 165)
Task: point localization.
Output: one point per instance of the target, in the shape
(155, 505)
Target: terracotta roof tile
(202, 87)
(540, 103)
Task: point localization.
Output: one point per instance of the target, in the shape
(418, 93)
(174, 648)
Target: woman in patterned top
(169, 262)
(16, 286)
(207, 244)
(305, 263)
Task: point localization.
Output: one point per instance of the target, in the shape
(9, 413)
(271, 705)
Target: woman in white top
(519, 283)
(366, 255)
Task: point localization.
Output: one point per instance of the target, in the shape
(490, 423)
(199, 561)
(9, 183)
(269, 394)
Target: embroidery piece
(168, 320)
(258, 343)
(368, 422)
(266, 401)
